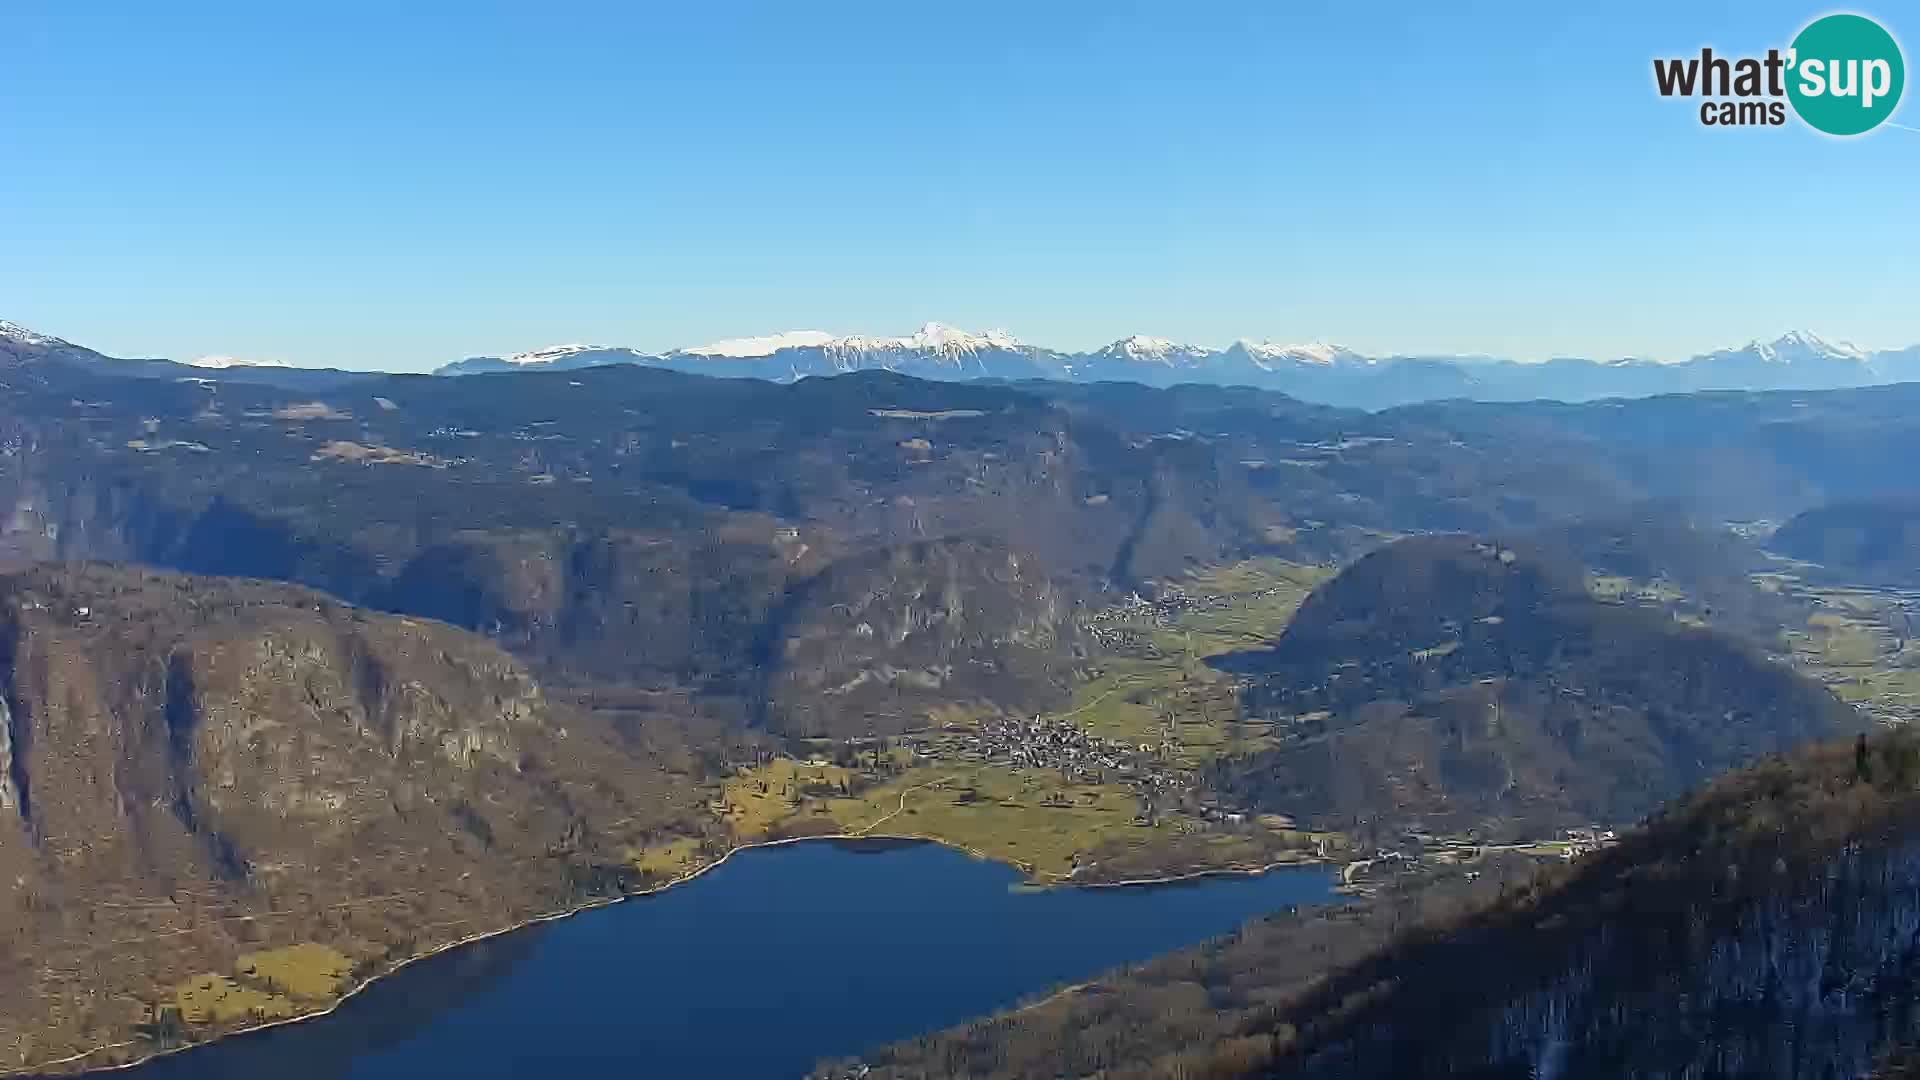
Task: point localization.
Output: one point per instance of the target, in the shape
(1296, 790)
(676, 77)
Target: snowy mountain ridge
(1315, 371)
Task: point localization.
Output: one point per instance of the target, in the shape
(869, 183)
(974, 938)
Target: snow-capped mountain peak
(1802, 345)
(1142, 348)
(943, 338)
(1316, 353)
(761, 345)
(553, 352)
(935, 338)
(1795, 348)
(934, 342)
(14, 332)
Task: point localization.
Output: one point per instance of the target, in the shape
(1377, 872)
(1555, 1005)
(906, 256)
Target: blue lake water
(778, 958)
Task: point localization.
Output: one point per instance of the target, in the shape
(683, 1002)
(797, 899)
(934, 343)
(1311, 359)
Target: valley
(1104, 789)
(1395, 569)
(1260, 1003)
(1111, 785)
(1114, 785)
(1858, 641)
(376, 668)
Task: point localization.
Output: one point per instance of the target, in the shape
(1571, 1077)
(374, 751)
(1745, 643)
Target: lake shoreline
(56, 1067)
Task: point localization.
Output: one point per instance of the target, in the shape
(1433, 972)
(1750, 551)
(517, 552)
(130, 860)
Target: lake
(774, 960)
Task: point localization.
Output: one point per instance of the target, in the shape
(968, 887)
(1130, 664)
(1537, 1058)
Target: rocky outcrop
(878, 642)
(619, 606)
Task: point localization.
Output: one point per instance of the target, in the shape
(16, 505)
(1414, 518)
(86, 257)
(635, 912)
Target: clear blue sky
(398, 185)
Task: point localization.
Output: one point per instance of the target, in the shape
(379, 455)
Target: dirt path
(1116, 688)
(902, 808)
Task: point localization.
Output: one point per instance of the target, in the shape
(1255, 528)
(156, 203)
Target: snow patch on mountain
(224, 362)
(762, 345)
(1141, 348)
(11, 331)
(1795, 345)
(936, 339)
(1317, 353)
(555, 352)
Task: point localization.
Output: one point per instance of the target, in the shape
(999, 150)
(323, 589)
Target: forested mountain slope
(1873, 540)
(1451, 684)
(624, 526)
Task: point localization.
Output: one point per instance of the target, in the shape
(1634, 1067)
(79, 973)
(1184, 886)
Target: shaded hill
(23, 351)
(1875, 540)
(1725, 455)
(1702, 570)
(1652, 542)
(233, 765)
(1452, 684)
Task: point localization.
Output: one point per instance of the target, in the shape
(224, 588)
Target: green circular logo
(1844, 74)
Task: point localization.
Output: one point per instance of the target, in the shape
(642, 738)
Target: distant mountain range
(1317, 372)
(1320, 372)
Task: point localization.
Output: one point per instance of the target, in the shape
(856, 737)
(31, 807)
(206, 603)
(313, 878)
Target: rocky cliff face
(620, 606)
(876, 643)
(232, 765)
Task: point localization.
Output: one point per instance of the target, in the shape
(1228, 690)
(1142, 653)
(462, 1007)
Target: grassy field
(265, 985)
(306, 970)
(1029, 819)
(1191, 707)
(671, 859)
(1026, 818)
(1263, 594)
(1856, 643)
(1174, 696)
(758, 799)
(1844, 640)
(217, 999)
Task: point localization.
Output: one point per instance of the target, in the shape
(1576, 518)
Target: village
(1120, 625)
(1053, 745)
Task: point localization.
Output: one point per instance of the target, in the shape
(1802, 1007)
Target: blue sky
(398, 185)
